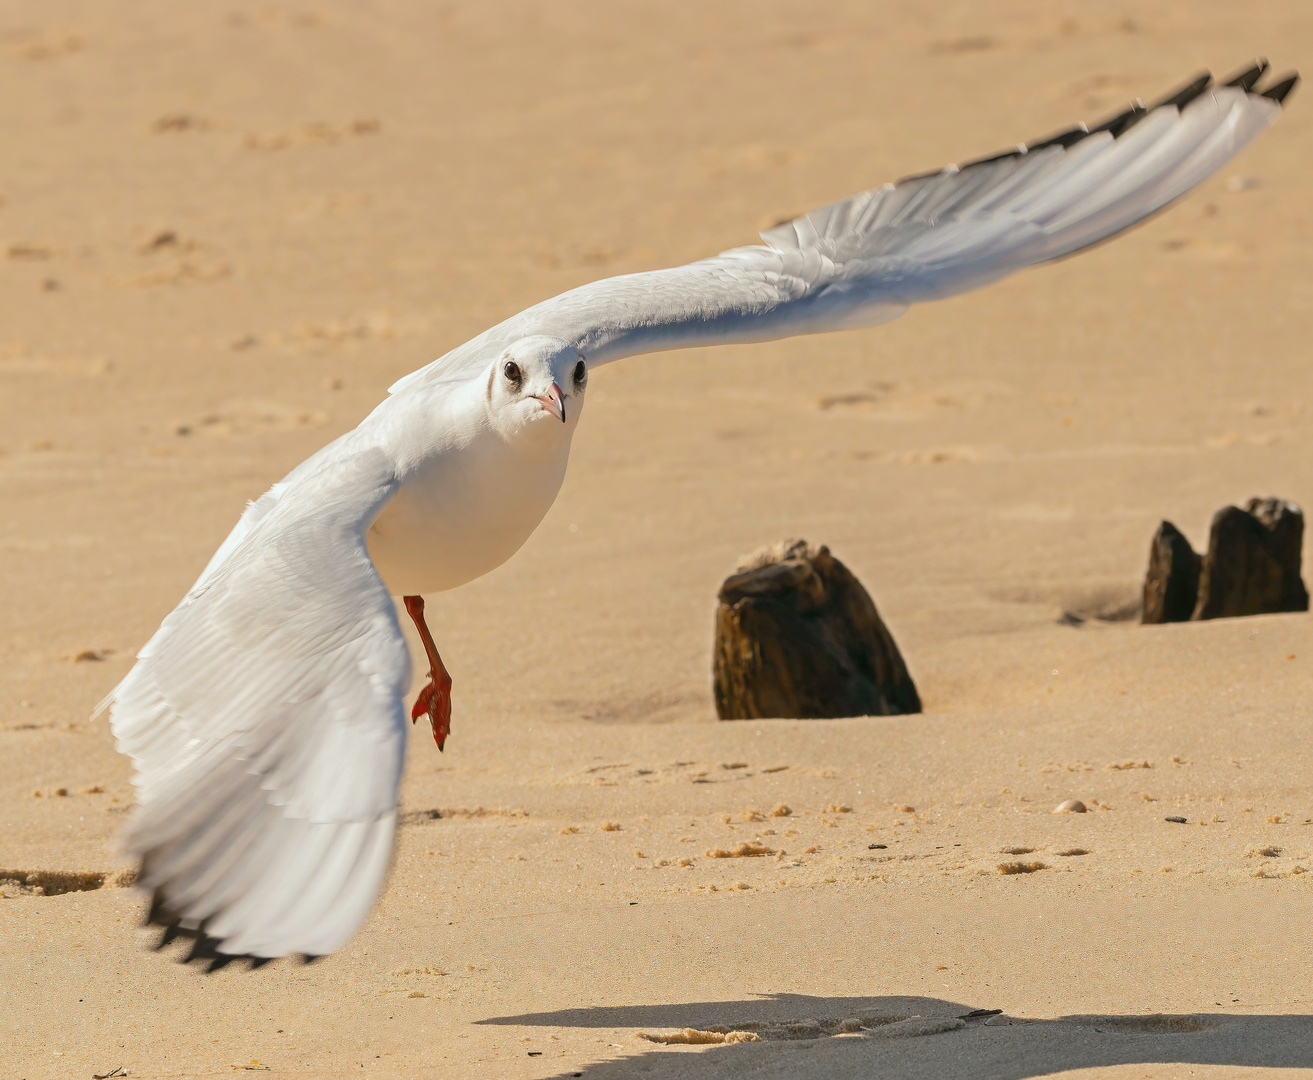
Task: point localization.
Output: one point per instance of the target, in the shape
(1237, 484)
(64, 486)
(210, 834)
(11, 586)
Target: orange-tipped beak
(553, 402)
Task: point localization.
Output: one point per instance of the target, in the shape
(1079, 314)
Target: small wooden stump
(1171, 586)
(1253, 561)
(1252, 566)
(798, 636)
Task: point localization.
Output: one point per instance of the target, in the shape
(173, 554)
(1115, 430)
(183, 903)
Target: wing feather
(266, 722)
(863, 260)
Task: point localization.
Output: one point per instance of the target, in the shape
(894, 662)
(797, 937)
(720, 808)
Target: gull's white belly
(462, 514)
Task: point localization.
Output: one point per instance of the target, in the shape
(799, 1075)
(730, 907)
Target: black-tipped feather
(1246, 79)
(1281, 90)
(1065, 139)
(1182, 97)
(204, 948)
(1121, 123)
(1003, 155)
(1118, 125)
(924, 175)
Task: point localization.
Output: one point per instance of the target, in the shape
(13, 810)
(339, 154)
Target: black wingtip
(1186, 94)
(207, 950)
(924, 175)
(1069, 137)
(1281, 90)
(1001, 156)
(1118, 125)
(1246, 79)
(204, 948)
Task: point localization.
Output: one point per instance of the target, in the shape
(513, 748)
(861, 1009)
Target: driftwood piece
(1171, 586)
(798, 636)
(1253, 561)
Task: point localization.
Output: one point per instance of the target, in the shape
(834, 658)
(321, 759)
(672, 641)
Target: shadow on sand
(803, 1036)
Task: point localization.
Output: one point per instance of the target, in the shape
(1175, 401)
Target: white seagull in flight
(266, 718)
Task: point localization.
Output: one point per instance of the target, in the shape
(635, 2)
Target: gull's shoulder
(420, 418)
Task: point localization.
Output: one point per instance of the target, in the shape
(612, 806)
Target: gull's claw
(435, 700)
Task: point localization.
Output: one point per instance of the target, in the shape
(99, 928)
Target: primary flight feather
(266, 717)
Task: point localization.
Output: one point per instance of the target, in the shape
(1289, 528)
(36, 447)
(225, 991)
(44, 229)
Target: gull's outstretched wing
(266, 723)
(862, 261)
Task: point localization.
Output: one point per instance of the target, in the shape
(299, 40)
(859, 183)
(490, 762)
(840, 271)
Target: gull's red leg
(435, 698)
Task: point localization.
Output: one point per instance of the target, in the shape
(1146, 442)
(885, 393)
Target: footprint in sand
(18, 358)
(315, 133)
(166, 241)
(419, 817)
(178, 123)
(51, 43)
(246, 417)
(58, 882)
(26, 252)
(903, 402)
(187, 272)
(862, 401)
(343, 330)
(175, 259)
(745, 850)
(1021, 867)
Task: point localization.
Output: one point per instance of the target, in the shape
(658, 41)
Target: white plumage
(266, 716)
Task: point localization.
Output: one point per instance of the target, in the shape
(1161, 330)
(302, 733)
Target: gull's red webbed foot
(435, 698)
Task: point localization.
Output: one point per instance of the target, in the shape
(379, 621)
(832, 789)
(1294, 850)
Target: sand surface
(227, 227)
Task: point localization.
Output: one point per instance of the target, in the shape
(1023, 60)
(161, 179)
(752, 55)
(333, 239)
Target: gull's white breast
(468, 500)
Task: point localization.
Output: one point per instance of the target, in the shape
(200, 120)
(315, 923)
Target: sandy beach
(226, 229)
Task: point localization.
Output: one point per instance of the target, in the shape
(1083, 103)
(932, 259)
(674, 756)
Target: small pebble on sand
(1071, 806)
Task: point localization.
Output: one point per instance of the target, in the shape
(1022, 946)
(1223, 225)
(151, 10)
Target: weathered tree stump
(1253, 561)
(1171, 586)
(798, 636)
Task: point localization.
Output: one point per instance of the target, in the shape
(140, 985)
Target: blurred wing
(864, 260)
(266, 722)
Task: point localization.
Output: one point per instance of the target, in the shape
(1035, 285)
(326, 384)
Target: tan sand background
(227, 227)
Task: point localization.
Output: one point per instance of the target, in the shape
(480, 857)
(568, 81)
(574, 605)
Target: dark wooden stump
(1253, 561)
(798, 636)
(1171, 586)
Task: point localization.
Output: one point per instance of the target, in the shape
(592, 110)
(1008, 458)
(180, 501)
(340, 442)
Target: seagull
(266, 718)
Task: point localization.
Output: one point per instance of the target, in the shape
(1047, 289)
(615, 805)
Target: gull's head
(537, 384)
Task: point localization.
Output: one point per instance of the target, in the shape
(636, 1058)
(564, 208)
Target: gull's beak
(553, 402)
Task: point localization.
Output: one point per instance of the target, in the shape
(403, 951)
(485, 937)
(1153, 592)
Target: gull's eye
(580, 370)
(511, 370)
